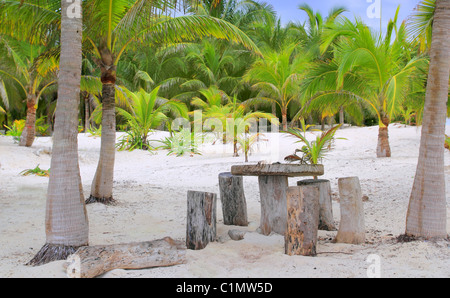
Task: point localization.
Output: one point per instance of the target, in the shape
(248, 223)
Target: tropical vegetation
(134, 66)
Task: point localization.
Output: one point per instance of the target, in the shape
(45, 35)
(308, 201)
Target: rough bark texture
(383, 147)
(29, 131)
(326, 220)
(302, 220)
(341, 117)
(92, 261)
(427, 215)
(102, 185)
(351, 227)
(201, 219)
(66, 223)
(234, 205)
(272, 191)
(284, 120)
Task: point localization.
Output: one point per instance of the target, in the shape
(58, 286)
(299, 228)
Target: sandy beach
(151, 189)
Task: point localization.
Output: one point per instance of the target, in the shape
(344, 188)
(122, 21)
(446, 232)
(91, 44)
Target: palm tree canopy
(366, 67)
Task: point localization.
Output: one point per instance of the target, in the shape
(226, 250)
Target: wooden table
(273, 184)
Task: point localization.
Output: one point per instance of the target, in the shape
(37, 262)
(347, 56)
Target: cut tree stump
(272, 191)
(234, 205)
(92, 261)
(326, 221)
(351, 227)
(201, 219)
(302, 220)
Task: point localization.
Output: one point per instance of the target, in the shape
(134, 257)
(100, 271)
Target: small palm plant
(148, 111)
(246, 143)
(447, 142)
(236, 119)
(314, 151)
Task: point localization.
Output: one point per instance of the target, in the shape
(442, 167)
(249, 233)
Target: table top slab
(289, 170)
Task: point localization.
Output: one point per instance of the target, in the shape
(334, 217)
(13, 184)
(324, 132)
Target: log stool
(234, 206)
(302, 220)
(326, 221)
(201, 219)
(351, 227)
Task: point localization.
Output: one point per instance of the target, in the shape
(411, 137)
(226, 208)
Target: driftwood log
(92, 261)
(351, 227)
(326, 221)
(302, 220)
(272, 191)
(234, 205)
(201, 219)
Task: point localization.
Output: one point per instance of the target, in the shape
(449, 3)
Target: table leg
(272, 191)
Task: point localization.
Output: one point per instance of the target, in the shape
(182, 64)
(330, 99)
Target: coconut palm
(212, 64)
(112, 28)
(420, 24)
(21, 63)
(148, 111)
(427, 216)
(66, 218)
(270, 35)
(316, 24)
(277, 78)
(235, 119)
(367, 69)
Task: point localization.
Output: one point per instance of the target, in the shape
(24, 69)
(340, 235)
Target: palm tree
(148, 111)
(317, 23)
(212, 65)
(234, 116)
(366, 69)
(270, 35)
(112, 27)
(277, 77)
(420, 24)
(427, 216)
(31, 73)
(66, 218)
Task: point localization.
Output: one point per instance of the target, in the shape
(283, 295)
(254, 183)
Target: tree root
(106, 201)
(51, 252)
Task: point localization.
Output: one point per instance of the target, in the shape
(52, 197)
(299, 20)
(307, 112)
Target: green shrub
(16, 129)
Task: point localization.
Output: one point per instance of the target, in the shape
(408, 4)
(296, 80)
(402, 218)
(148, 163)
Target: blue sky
(288, 11)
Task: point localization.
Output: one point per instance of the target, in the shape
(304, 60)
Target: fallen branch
(92, 261)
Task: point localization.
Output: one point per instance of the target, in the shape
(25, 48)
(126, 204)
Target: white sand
(151, 190)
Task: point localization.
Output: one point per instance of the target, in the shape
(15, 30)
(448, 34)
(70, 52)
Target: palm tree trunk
(66, 222)
(284, 119)
(29, 132)
(383, 147)
(341, 117)
(426, 216)
(86, 112)
(102, 185)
